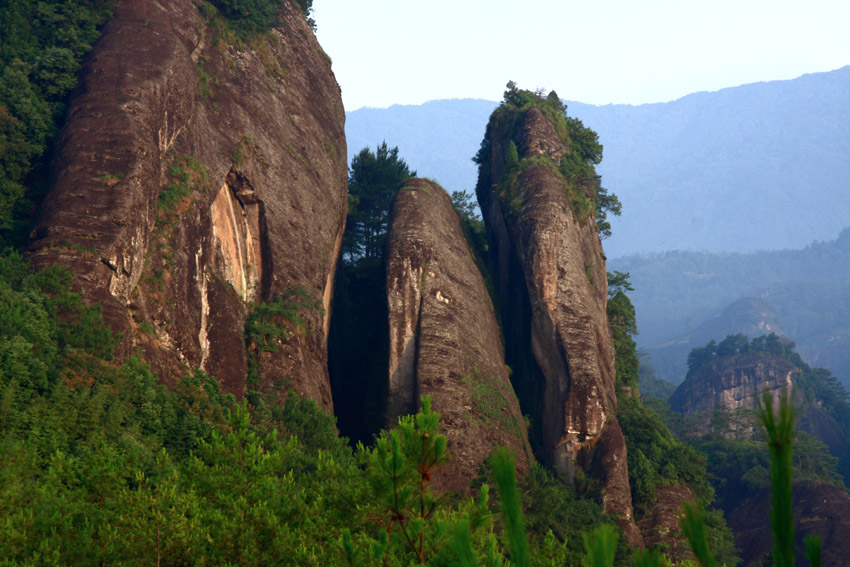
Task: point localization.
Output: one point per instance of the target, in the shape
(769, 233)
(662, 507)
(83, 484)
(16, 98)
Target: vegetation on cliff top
(576, 169)
(743, 463)
(253, 17)
(374, 180)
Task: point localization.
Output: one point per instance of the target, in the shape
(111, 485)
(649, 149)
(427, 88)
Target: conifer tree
(374, 180)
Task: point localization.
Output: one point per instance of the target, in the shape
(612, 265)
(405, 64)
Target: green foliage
(107, 466)
(471, 223)
(372, 184)
(695, 529)
(650, 384)
(657, 456)
(271, 323)
(187, 176)
(41, 46)
(511, 158)
(576, 169)
(400, 470)
(600, 547)
(813, 551)
(817, 386)
(556, 516)
(413, 524)
(250, 18)
(490, 403)
(651, 558)
(503, 467)
(778, 427)
(623, 323)
(278, 319)
(206, 81)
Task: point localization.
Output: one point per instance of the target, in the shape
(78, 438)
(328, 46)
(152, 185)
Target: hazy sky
(388, 52)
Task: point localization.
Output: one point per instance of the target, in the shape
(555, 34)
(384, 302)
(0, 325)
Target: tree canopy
(41, 46)
(373, 181)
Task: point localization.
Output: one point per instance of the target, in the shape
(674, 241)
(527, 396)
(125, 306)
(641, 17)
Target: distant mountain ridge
(762, 166)
(685, 299)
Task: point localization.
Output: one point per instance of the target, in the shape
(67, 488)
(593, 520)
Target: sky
(389, 52)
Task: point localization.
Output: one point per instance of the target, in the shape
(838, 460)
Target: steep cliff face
(733, 383)
(551, 277)
(195, 180)
(444, 338)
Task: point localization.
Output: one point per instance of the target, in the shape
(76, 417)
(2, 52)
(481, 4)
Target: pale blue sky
(388, 52)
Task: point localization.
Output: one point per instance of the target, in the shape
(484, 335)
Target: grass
(187, 175)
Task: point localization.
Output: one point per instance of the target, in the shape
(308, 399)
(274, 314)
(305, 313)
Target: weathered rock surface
(660, 525)
(551, 278)
(255, 136)
(444, 338)
(733, 383)
(819, 509)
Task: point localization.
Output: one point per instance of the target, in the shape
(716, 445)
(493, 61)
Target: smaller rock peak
(734, 384)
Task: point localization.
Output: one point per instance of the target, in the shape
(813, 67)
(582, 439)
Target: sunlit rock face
(444, 338)
(735, 384)
(550, 275)
(194, 180)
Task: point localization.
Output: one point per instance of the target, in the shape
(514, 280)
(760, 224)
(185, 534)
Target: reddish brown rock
(551, 276)
(660, 525)
(257, 134)
(444, 338)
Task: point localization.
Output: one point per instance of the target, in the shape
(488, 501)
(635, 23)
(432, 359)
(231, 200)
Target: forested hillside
(756, 167)
(685, 299)
(716, 412)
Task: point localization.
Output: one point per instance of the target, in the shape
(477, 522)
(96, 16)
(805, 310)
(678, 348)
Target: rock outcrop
(551, 277)
(196, 179)
(733, 383)
(444, 338)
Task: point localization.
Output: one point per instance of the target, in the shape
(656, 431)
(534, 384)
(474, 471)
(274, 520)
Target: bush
(253, 17)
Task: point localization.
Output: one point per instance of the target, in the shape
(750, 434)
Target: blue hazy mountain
(764, 166)
(684, 299)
